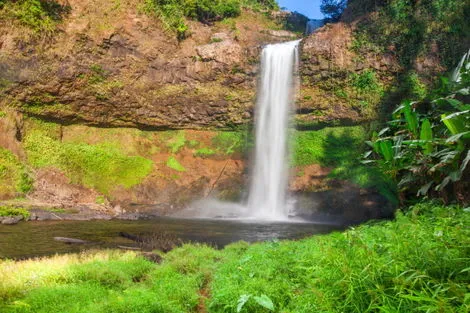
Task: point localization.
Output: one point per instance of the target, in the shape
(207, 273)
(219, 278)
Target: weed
(13, 211)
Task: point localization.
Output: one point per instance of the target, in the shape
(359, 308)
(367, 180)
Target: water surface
(30, 239)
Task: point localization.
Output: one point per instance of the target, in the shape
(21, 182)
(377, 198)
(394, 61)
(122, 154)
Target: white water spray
(267, 197)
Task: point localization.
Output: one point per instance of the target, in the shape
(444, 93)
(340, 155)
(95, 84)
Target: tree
(332, 9)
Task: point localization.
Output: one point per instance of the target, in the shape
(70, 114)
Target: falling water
(267, 198)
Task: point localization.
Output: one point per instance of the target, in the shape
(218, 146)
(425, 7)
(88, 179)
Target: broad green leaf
(411, 118)
(386, 150)
(241, 302)
(426, 135)
(265, 302)
(455, 125)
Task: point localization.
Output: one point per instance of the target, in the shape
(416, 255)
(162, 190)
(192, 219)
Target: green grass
(416, 263)
(14, 178)
(39, 15)
(173, 163)
(102, 166)
(328, 146)
(13, 211)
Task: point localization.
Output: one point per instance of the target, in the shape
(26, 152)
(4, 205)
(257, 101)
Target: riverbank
(418, 262)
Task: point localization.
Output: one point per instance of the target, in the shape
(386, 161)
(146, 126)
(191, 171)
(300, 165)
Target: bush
(333, 9)
(426, 145)
(103, 166)
(41, 16)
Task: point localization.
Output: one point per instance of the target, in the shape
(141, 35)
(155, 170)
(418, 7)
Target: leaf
(383, 131)
(386, 150)
(457, 137)
(241, 301)
(265, 302)
(411, 118)
(426, 134)
(424, 189)
(454, 124)
(465, 162)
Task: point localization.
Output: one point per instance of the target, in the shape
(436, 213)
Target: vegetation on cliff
(425, 147)
(417, 263)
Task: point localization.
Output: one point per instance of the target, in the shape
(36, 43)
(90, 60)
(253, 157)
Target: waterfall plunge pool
(33, 239)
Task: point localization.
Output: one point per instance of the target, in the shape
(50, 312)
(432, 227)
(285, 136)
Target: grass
(14, 178)
(327, 146)
(39, 15)
(101, 166)
(416, 263)
(13, 211)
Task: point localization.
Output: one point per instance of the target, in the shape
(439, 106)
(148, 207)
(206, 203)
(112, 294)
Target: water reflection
(37, 238)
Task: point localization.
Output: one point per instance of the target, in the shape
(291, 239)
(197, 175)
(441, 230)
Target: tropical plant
(425, 146)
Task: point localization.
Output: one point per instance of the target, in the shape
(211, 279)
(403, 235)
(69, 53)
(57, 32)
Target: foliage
(41, 16)
(173, 13)
(101, 166)
(14, 178)
(229, 142)
(409, 29)
(417, 263)
(13, 211)
(204, 152)
(425, 147)
(173, 163)
(333, 9)
(327, 148)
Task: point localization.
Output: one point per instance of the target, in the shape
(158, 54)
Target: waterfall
(268, 191)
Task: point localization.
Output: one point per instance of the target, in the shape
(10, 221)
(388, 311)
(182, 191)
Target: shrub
(102, 166)
(426, 146)
(41, 16)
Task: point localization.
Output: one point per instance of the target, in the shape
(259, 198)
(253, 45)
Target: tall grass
(417, 263)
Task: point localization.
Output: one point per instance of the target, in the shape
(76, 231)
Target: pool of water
(31, 239)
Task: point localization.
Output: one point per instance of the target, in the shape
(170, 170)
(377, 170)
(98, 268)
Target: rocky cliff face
(115, 66)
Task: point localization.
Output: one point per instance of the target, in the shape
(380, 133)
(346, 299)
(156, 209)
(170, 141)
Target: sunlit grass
(417, 263)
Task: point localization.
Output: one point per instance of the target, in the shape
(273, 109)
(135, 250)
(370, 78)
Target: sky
(310, 8)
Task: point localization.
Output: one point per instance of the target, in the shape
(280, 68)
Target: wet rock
(70, 240)
(12, 220)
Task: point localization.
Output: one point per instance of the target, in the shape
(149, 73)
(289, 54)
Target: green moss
(328, 146)
(177, 142)
(103, 166)
(229, 142)
(13, 211)
(204, 153)
(14, 178)
(174, 164)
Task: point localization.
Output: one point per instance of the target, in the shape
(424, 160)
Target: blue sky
(310, 8)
